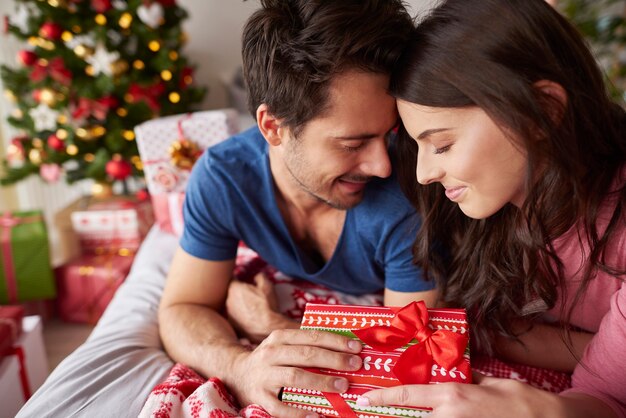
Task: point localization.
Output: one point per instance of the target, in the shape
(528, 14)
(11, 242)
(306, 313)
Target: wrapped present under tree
(25, 270)
(88, 283)
(408, 345)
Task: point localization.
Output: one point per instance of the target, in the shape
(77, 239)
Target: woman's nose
(427, 171)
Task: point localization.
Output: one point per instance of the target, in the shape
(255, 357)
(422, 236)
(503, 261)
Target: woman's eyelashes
(441, 150)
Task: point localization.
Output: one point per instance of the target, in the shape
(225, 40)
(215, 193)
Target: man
(309, 189)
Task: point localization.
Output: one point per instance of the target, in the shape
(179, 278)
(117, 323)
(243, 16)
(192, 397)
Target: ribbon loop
(441, 346)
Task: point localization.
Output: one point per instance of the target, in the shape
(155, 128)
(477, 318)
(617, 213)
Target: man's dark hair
(292, 49)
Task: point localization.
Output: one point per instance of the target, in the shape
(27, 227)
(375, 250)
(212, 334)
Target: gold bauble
(83, 51)
(71, 149)
(10, 96)
(36, 156)
(125, 20)
(174, 97)
(119, 67)
(58, 3)
(90, 133)
(48, 96)
(102, 189)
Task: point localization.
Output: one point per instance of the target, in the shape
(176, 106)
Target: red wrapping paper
(10, 326)
(87, 284)
(404, 345)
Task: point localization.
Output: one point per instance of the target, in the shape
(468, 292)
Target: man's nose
(377, 161)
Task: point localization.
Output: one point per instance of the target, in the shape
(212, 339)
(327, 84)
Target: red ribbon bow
(149, 94)
(97, 108)
(55, 68)
(442, 347)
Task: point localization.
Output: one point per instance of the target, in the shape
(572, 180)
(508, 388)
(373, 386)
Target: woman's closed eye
(441, 150)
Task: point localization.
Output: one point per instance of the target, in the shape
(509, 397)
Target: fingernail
(312, 416)
(355, 362)
(362, 401)
(341, 385)
(354, 345)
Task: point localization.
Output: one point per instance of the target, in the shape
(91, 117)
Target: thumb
(264, 283)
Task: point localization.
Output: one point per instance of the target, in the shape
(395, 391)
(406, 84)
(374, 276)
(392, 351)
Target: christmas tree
(92, 70)
(603, 23)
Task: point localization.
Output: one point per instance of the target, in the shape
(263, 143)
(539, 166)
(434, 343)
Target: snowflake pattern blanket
(185, 394)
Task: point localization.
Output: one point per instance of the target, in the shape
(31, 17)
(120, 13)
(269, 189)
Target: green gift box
(25, 270)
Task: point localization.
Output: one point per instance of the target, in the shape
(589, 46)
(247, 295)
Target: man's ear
(557, 103)
(269, 126)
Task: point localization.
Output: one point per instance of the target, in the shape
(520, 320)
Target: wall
(214, 28)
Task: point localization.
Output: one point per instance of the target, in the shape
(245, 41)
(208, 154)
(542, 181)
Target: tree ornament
(55, 143)
(83, 51)
(102, 190)
(120, 4)
(44, 118)
(26, 57)
(10, 96)
(90, 133)
(58, 3)
(184, 153)
(51, 31)
(102, 60)
(118, 168)
(37, 156)
(50, 172)
(20, 19)
(167, 3)
(47, 96)
(101, 6)
(15, 152)
(151, 15)
(54, 69)
(119, 67)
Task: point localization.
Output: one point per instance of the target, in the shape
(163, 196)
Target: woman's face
(465, 151)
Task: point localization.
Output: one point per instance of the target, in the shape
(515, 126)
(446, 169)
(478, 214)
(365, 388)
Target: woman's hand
(253, 309)
(488, 397)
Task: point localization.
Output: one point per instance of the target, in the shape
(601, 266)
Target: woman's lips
(454, 193)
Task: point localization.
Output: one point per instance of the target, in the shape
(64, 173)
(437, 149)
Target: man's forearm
(201, 338)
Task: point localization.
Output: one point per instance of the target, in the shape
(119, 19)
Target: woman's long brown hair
(490, 54)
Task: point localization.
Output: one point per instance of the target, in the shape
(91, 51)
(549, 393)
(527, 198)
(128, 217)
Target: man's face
(337, 153)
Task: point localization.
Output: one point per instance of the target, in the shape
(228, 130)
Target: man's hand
(253, 309)
(258, 376)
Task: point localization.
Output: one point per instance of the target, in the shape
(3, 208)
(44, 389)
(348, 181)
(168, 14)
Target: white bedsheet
(113, 372)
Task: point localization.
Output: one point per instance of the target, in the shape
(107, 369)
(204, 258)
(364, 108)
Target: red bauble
(26, 57)
(142, 195)
(101, 6)
(55, 143)
(167, 3)
(51, 31)
(118, 169)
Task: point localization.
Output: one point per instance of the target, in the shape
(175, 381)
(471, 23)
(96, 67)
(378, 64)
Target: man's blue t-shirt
(230, 197)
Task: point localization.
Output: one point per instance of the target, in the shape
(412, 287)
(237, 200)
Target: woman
(519, 155)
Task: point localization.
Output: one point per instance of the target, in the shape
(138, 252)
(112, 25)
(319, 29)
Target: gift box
(88, 283)
(169, 147)
(409, 345)
(112, 224)
(25, 270)
(25, 367)
(11, 391)
(10, 326)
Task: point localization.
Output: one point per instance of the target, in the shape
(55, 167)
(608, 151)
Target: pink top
(602, 310)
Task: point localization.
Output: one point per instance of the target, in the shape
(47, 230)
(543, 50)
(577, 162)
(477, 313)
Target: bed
(113, 372)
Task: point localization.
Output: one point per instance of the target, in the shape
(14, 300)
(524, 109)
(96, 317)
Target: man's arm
(194, 333)
(393, 298)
